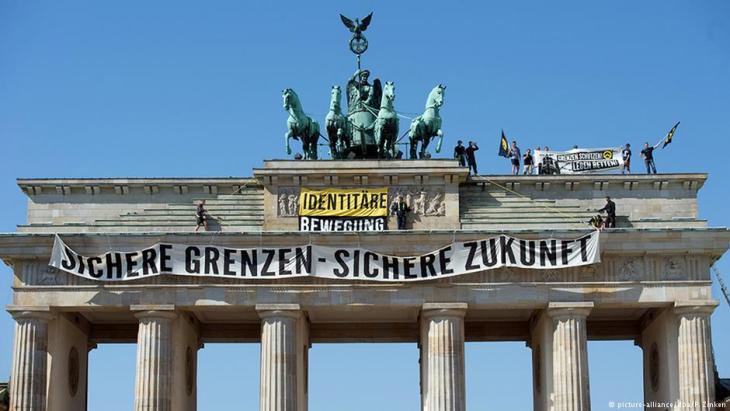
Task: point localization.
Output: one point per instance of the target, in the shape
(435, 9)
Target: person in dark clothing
(648, 155)
(459, 153)
(470, 157)
(548, 166)
(400, 209)
(610, 209)
(201, 214)
(528, 162)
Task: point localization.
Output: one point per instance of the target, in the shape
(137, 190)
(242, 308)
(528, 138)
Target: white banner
(354, 263)
(580, 160)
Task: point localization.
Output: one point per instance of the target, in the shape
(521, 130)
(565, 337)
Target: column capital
(20, 312)
(569, 309)
(279, 310)
(444, 309)
(695, 307)
(163, 311)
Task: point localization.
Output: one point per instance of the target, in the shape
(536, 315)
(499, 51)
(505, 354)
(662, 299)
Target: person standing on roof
(514, 156)
(471, 159)
(459, 153)
(626, 155)
(201, 214)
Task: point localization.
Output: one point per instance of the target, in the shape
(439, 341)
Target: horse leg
(424, 146)
(383, 142)
(287, 136)
(313, 142)
(333, 148)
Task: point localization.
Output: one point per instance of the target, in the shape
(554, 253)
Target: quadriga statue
(300, 126)
(427, 125)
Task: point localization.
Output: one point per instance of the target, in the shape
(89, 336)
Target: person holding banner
(648, 152)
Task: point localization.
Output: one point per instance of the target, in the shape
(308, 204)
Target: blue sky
(175, 88)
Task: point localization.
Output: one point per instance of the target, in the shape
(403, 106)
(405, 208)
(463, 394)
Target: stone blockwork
(554, 202)
(141, 205)
(438, 191)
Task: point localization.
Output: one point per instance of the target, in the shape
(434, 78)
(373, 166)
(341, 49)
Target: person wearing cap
(459, 153)
(626, 155)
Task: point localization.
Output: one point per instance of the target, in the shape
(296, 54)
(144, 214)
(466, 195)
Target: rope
(524, 196)
(401, 137)
(722, 284)
(398, 113)
(239, 189)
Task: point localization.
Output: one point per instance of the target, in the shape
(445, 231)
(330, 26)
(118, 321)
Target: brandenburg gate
(486, 258)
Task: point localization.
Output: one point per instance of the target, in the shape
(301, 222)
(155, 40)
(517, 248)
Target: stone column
(658, 341)
(30, 352)
(68, 348)
(186, 343)
(282, 380)
(153, 388)
(570, 390)
(696, 378)
(442, 357)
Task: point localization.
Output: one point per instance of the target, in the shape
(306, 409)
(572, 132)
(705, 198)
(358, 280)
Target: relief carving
(674, 268)
(425, 201)
(48, 276)
(629, 269)
(549, 275)
(288, 202)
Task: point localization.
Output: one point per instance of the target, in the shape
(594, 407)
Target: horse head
(335, 96)
(291, 100)
(436, 97)
(388, 94)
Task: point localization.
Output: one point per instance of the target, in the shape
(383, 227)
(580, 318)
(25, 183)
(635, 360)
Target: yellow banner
(344, 202)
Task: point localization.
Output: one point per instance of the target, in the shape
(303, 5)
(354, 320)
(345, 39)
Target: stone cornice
(712, 242)
(695, 307)
(362, 172)
(697, 179)
(122, 185)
